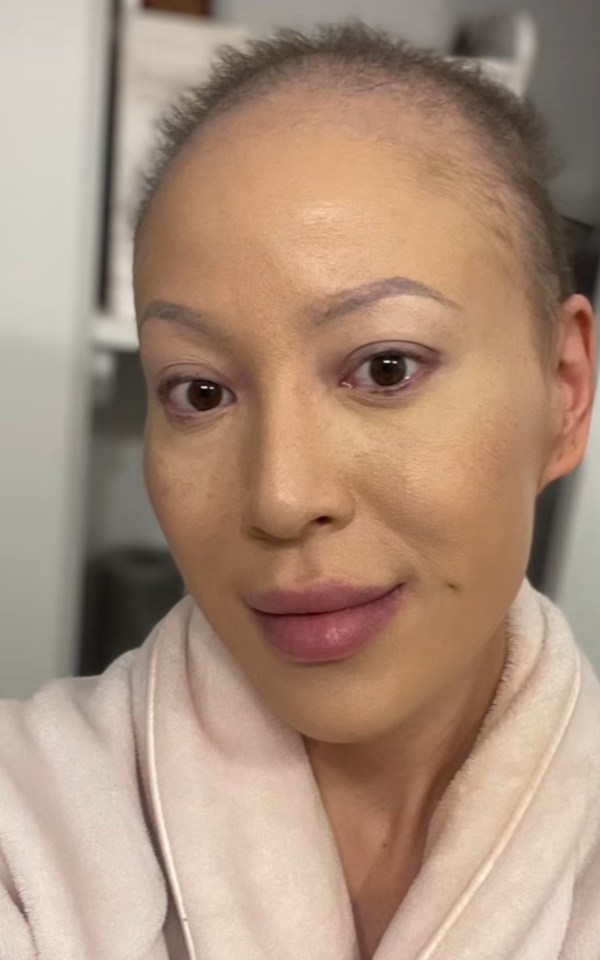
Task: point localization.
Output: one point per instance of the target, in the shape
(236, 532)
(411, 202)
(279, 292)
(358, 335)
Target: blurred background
(84, 569)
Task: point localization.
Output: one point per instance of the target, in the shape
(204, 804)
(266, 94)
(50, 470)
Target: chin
(342, 719)
(345, 734)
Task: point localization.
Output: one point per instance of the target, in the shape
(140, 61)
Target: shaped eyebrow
(198, 320)
(330, 308)
(346, 301)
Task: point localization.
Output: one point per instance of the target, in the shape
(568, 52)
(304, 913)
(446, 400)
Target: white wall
(51, 95)
(578, 579)
(565, 88)
(578, 592)
(421, 21)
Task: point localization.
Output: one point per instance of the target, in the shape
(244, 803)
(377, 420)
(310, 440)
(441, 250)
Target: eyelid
(169, 383)
(403, 385)
(369, 351)
(417, 353)
(405, 347)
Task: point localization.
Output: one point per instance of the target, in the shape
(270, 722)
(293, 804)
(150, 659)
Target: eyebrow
(330, 308)
(197, 320)
(346, 301)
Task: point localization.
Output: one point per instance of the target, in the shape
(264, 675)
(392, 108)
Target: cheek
(457, 480)
(190, 486)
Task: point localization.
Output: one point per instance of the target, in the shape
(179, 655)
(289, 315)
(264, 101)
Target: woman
(362, 733)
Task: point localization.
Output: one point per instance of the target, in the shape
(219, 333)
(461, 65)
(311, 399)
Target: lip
(333, 634)
(323, 597)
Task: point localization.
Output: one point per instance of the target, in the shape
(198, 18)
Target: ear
(572, 382)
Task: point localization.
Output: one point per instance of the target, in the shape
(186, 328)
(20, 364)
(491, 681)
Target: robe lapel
(246, 841)
(250, 855)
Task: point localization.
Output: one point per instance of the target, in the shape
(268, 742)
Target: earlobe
(573, 377)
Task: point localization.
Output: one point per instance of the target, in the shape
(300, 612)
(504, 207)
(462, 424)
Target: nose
(297, 480)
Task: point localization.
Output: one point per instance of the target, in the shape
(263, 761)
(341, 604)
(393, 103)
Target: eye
(390, 371)
(184, 397)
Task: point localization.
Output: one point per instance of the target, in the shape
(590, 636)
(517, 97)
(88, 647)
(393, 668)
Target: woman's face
(305, 466)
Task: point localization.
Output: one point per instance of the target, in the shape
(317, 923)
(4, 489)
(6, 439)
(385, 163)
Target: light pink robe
(161, 811)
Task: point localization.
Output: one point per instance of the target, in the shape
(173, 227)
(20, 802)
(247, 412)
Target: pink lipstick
(330, 621)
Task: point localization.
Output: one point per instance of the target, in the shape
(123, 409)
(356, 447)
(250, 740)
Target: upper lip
(323, 597)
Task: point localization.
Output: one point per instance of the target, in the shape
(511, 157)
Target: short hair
(515, 144)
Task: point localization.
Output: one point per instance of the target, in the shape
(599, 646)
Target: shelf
(110, 332)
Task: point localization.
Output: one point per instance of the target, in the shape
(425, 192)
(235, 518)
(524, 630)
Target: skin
(304, 471)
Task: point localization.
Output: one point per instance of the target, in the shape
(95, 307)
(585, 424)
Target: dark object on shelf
(110, 125)
(200, 8)
(128, 590)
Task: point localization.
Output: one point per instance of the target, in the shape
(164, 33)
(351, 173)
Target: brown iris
(388, 370)
(204, 394)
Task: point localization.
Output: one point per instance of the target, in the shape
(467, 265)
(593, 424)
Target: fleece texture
(161, 811)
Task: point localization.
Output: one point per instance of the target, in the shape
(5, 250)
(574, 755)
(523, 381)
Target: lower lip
(321, 637)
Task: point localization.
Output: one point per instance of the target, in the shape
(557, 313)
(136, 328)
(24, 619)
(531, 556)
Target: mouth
(325, 596)
(330, 634)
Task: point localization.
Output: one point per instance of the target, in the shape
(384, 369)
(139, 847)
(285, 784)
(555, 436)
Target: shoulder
(97, 720)
(72, 816)
(68, 723)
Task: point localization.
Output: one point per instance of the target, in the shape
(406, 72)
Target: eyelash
(168, 385)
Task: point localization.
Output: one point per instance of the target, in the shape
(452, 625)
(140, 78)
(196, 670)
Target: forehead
(302, 188)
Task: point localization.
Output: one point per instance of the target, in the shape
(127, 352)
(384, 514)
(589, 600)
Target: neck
(394, 783)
